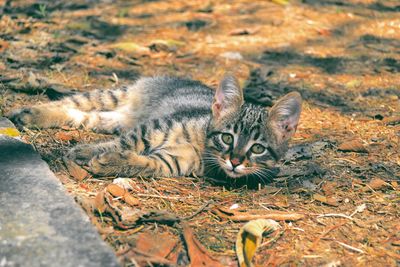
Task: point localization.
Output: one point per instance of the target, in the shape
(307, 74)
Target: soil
(342, 56)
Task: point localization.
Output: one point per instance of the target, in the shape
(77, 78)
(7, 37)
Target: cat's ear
(284, 116)
(228, 97)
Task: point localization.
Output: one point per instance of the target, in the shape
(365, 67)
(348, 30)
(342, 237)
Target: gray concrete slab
(40, 225)
(5, 123)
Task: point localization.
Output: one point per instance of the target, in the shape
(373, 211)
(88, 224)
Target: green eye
(257, 149)
(227, 138)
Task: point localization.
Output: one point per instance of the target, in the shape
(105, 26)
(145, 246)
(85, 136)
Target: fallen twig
(350, 247)
(198, 211)
(326, 232)
(336, 215)
(248, 216)
(159, 196)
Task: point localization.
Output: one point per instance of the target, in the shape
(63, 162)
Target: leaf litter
(343, 202)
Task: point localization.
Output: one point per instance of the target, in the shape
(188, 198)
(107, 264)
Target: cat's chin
(233, 174)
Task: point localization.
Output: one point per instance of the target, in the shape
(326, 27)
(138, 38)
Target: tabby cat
(173, 127)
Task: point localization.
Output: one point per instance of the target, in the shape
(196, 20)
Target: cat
(169, 127)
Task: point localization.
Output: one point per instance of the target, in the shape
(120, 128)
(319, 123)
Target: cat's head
(246, 139)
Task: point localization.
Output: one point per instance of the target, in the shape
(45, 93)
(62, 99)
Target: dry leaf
(99, 202)
(326, 200)
(115, 190)
(376, 184)
(3, 45)
(329, 188)
(280, 2)
(76, 171)
(198, 255)
(249, 239)
(130, 200)
(353, 146)
(131, 47)
(324, 32)
(160, 245)
(67, 136)
(124, 183)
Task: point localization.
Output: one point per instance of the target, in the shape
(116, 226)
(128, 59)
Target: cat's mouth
(234, 172)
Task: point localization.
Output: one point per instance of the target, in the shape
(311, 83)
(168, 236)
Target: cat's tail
(79, 109)
(96, 100)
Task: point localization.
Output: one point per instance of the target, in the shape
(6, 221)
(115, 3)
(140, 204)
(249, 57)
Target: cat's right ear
(228, 97)
(284, 116)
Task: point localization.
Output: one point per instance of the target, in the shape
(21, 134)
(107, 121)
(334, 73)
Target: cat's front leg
(82, 154)
(113, 164)
(129, 163)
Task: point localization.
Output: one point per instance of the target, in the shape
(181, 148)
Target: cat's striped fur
(173, 127)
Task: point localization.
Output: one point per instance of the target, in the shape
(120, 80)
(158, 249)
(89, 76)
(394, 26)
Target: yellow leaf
(130, 47)
(280, 2)
(169, 42)
(249, 239)
(250, 247)
(10, 132)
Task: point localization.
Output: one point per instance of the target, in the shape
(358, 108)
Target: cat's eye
(227, 138)
(257, 149)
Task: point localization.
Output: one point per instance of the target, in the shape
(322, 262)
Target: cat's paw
(107, 164)
(24, 116)
(81, 154)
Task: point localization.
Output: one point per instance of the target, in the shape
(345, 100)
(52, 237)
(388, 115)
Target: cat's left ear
(284, 116)
(228, 97)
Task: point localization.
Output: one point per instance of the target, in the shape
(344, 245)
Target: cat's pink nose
(235, 162)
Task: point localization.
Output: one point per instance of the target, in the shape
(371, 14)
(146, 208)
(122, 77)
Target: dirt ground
(342, 56)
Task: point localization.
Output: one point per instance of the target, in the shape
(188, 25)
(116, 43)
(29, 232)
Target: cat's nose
(235, 162)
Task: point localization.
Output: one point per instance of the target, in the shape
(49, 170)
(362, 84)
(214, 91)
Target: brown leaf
(376, 184)
(198, 255)
(131, 200)
(143, 258)
(281, 201)
(326, 200)
(115, 190)
(99, 202)
(3, 45)
(67, 136)
(76, 171)
(160, 245)
(329, 188)
(353, 146)
(324, 32)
